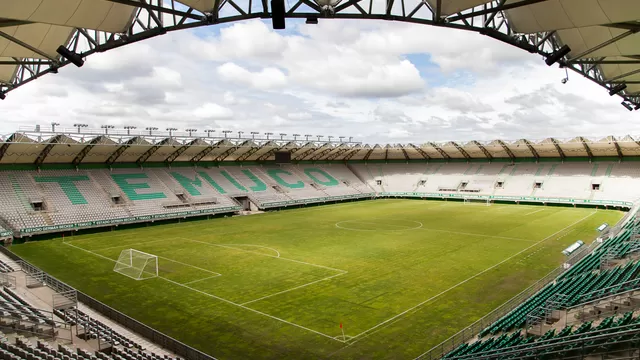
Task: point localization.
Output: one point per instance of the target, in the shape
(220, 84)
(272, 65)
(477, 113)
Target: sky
(376, 81)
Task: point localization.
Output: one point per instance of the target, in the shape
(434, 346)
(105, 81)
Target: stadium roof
(601, 34)
(130, 146)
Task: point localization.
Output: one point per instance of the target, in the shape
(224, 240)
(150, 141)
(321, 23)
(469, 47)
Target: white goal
(485, 202)
(137, 265)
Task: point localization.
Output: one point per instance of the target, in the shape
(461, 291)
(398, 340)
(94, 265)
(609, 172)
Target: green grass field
(400, 275)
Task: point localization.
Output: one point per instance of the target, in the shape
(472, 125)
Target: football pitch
(399, 275)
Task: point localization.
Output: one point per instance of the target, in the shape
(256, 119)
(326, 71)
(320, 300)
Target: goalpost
(474, 201)
(137, 265)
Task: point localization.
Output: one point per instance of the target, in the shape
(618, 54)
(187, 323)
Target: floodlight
(637, 107)
(2, 96)
(277, 14)
(74, 58)
(557, 55)
(312, 20)
(624, 103)
(618, 88)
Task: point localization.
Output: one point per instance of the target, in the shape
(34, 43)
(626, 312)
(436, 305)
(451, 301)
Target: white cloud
(267, 78)
(375, 81)
(213, 111)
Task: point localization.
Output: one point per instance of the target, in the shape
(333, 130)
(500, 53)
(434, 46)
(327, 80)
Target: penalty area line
(223, 299)
(292, 289)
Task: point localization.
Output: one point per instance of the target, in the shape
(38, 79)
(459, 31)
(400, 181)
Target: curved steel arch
(116, 154)
(439, 149)
(157, 17)
(556, 144)
(421, 152)
(586, 147)
(152, 150)
(47, 149)
(83, 153)
(483, 149)
(534, 152)
(507, 150)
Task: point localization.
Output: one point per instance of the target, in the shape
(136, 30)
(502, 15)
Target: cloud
(212, 111)
(267, 78)
(379, 82)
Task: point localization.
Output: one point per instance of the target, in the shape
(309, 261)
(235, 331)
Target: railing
(609, 291)
(474, 329)
(165, 341)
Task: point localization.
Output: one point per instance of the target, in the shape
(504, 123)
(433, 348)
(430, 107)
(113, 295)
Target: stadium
(130, 242)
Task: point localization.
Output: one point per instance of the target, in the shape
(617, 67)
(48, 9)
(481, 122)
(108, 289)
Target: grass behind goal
(400, 275)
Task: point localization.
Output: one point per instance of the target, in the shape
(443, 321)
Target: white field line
(295, 288)
(402, 228)
(479, 235)
(126, 246)
(189, 265)
(203, 279)
(253, 310)
(470, 278)
(533, 212)
(258, 246)
(263, 254)
(228, 301)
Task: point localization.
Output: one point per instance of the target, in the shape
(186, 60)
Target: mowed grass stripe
(388, 273)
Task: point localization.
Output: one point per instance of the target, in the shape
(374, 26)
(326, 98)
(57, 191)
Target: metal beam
(439, 149)
(366, 157)
(47, 149)
(206, 152)
(496, 9)
(176, 154)
(309, 152)
(116, 154)
(386, 153)
(530, 147)
(147, 154)
(322, 153)
(422, 152)
(7, 143)
(507, 150)
(404, 151)
(160, 9)
(338, 153)
(231, 150)
(27, 46)
(461, 150)
(557, 145)
(85, 150)
(603, 44)
(617, 146)
(352, 154)
(254, 149)
(266, 155)
(586, 147)
(484, 150)
(306, 150)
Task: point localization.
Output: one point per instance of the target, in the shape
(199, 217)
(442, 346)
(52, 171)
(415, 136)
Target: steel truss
(157, 17)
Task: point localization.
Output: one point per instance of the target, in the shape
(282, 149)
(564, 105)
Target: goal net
(137, 265)
(484, 202)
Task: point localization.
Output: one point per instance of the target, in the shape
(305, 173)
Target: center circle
(379, 224)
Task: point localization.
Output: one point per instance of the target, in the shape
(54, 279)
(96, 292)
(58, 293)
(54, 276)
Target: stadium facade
(70, 180)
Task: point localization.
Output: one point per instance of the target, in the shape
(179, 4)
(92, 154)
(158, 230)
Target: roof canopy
(130, 146)
(601, 34)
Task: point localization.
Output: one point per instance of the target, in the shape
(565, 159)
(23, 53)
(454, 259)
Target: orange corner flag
(340, 325)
